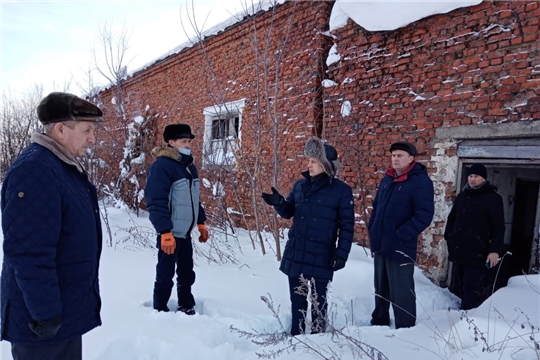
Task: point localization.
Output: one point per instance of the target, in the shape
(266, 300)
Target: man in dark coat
(475, 235)
(173, 201)
(52, 236)
(321, 234)
(402, 209)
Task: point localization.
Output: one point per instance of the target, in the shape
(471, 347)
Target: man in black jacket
(475, 235)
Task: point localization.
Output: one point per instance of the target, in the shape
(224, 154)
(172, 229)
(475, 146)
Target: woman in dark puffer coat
(321, 235)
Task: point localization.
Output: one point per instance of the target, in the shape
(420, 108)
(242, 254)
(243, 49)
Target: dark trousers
(182, 260)
(394, 283)
(69, 350)
(473, 283)
(298, 291)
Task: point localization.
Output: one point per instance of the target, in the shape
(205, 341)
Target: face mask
(184, 151)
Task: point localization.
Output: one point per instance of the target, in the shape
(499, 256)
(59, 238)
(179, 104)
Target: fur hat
(325, 154)
(405, 146)
(177, 131)
(478, 169)
(59, 106)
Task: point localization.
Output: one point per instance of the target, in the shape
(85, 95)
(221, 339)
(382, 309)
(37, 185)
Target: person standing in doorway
(52, 236)
(173, 202)
(321, 234)
(475, 235)
(402, 209)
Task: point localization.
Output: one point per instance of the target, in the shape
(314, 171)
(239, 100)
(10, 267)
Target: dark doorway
(523, 224)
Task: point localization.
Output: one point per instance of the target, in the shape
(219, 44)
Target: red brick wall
(478, 64)
(474, 65)
(229, 69)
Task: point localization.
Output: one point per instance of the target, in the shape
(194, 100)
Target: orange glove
(204, 233)
(168, 243)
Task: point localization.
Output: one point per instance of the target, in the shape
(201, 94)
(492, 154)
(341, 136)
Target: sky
(45, 42)
(229, 295)
(49, 43)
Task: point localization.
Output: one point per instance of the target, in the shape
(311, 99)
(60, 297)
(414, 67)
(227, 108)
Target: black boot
(187, 310)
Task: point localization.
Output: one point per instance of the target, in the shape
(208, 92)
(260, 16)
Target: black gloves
(337, 263)
(45, 329)
(274, 198)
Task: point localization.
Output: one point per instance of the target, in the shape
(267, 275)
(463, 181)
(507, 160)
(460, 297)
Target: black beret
(177, 131)
(478, 169)
(59, 106)
(405, 146)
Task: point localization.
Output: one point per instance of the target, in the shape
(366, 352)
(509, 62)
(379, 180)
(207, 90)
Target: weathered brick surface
(473, 65)
(227, 68)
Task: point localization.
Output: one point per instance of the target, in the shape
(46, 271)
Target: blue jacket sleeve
(286, 208)
(346, 224)
(202, 215)
(31, 223)
(423, 210)
(156, 192)
(372, 214)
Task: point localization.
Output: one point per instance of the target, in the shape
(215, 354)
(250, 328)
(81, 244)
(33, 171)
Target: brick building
(463, 86)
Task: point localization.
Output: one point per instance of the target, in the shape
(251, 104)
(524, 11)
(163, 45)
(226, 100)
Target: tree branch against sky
(45, 42)
(110, 52)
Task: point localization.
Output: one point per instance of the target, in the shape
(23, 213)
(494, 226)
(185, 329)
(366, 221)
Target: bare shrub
(18, 120)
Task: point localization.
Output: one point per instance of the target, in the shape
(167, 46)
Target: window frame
(213, 154)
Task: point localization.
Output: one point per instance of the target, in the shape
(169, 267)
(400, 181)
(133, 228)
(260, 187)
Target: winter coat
(52, 244)
(402, 209)
(475, 226)
(172, 193)
(323, 212)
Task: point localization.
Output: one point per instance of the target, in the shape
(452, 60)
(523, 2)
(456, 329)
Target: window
(222, 133)
(226, 126)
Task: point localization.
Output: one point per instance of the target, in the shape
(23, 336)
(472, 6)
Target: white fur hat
(324, 153)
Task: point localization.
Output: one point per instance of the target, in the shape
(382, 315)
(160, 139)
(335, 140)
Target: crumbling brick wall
(226, 68)
(473, 65)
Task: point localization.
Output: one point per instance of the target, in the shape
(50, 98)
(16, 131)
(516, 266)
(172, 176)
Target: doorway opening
(519, 186)
(524, 242)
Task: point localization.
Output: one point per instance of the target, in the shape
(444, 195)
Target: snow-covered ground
(229, 295)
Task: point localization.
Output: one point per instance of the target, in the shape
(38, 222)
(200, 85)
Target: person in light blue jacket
(173, 201)
(402, 209)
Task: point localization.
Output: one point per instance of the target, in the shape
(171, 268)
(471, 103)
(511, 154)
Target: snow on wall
(346, 108)
(385, 15)
(329, 83)
(333, 56)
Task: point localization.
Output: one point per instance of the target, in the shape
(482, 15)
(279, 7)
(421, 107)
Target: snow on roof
(377, 15)
(385, 15)
(263, 5)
